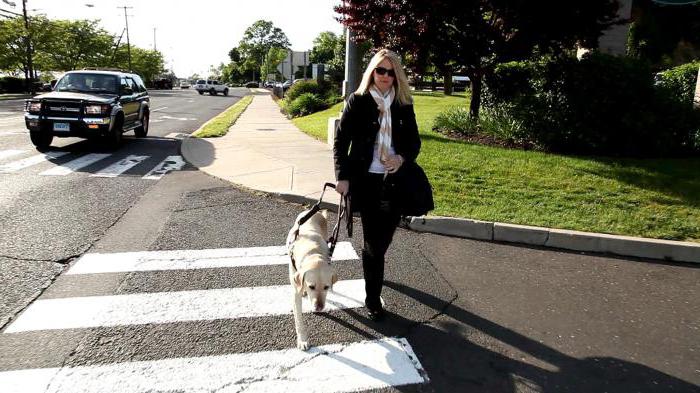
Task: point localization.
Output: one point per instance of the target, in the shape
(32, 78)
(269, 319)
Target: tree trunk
(447, 75)
(476, 95)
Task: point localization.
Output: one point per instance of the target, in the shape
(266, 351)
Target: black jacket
(353, 148)
(357, 132)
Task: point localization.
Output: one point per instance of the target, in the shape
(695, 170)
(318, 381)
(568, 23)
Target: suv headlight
(96, 109)
(33, 106)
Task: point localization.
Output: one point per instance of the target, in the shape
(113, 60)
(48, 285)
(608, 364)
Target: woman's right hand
(342, 187)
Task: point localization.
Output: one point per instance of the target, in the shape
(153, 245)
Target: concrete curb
(667, 250)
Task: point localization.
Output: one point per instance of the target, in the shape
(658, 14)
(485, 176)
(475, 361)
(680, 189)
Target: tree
(273, 59)
(323, 50)
(77, 44)
(148, 63)
(13, 49)
(256, 43)
(477, 34)
(664, 35)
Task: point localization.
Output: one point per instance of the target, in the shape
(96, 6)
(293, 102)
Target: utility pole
(352, 64)
(154, 39)
(128, 43)
(29, 76)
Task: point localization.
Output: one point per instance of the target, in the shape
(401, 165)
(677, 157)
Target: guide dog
(310, 271)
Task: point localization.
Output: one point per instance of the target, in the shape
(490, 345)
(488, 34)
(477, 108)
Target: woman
(378, 127)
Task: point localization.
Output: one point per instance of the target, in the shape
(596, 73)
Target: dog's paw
(302, 345)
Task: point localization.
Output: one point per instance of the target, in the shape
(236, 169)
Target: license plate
(61, 126)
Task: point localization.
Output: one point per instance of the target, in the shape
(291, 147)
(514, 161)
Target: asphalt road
(48, 220)
(479, 316)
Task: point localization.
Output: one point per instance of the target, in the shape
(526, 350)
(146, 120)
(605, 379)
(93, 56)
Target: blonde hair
(403, 92)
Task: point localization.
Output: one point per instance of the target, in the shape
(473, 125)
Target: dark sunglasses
(382, 71)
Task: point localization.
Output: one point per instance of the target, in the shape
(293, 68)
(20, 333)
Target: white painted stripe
(168, 307)
(177, 135)
(172, 163)
(33, 160)
(159, 109)
(193, 259)
(332, 368)
(9, 153)
(120, 167)
(72, 166)
(15, 119)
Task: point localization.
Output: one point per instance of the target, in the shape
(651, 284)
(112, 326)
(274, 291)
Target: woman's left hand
(393, 163)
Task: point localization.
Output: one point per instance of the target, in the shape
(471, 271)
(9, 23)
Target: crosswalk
(97, 164)
(337, 367)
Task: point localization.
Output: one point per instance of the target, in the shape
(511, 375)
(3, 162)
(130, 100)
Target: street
(173, 280)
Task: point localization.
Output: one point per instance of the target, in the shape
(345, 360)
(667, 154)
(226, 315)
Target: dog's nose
(318, 306)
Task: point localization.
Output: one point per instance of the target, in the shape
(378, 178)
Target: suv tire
(201, 92)
(142, 130)
(212, 92)
(226, 92)
(41, 140)
(114, 138)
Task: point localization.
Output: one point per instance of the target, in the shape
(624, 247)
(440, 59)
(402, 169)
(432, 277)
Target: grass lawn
(648, 198)
(219, 125)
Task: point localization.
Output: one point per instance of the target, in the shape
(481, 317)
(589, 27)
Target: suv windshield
(88, 83)
(201, 82)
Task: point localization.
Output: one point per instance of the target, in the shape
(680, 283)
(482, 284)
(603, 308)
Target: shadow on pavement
(455, 363)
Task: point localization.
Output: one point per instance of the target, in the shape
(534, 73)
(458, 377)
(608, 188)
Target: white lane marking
(72, 166)
(30, 161)
(331, 368)
(159, 109)
(169, 307)
(171, 163)
(14, 119)
(193, 259)
(9, 153)
(177, 118)
(120, 167)
(177, 135)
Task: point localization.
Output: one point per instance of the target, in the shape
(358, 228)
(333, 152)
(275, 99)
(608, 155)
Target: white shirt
(377, 166)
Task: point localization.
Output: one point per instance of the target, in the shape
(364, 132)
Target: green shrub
(305, 104)
(455, 119)
(680, 82)
(10, 84)
(303, 87)
(602, 105)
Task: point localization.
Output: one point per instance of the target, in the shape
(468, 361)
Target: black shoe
(375, 314)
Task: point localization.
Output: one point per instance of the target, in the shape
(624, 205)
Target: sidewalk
(265, 151)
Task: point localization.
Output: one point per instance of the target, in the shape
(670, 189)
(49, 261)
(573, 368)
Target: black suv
(88, 104)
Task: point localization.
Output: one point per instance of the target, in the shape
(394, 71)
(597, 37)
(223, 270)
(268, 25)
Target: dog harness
(343, 212)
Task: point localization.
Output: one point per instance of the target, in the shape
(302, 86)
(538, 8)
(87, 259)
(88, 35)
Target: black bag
(414, 195)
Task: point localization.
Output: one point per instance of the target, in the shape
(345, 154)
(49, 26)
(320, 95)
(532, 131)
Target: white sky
(193, 35)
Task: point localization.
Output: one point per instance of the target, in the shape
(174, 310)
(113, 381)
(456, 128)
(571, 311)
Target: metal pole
(154, 39)
(352, 64)
(128, 43)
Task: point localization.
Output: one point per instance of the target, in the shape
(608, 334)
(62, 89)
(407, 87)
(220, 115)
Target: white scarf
(384, 105)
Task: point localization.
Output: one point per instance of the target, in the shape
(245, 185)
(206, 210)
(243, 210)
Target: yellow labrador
(313, 275)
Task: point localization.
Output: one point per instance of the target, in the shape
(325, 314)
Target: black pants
(380, 217)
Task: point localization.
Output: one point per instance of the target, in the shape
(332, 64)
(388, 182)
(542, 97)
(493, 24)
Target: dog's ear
(299, 281)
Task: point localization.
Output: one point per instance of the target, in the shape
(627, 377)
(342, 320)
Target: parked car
(184, 84)
(163, 83)
(89, 104)
(286, 84)
(213, 87)
(252, 84)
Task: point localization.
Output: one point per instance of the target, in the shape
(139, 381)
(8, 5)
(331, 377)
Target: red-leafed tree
(477, 34)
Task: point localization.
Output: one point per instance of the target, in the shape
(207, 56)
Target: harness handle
(343, 212)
